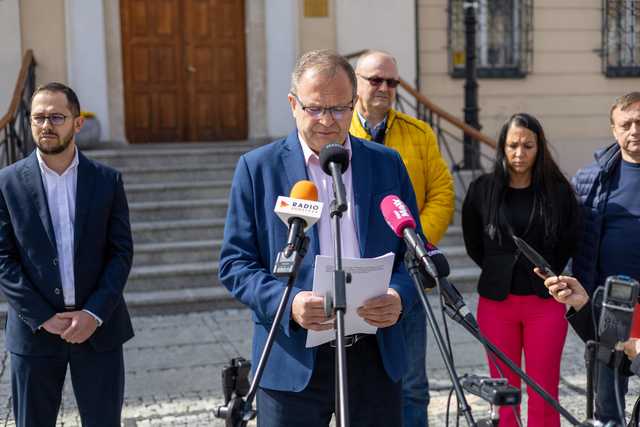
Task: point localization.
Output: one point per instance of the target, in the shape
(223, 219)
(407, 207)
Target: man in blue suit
(65, 255)
(297, 388)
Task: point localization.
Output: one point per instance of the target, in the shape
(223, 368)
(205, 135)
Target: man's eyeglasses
(55, 119)
(377, 81)
(337, 112)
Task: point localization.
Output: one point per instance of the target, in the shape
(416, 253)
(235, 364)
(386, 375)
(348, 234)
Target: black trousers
(374, 400)
(97, 379)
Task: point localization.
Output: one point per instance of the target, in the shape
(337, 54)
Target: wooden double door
(184, 70)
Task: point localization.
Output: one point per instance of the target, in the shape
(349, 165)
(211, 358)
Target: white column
(383, 25)
(10, 50)
(282, 52)
(87, 58)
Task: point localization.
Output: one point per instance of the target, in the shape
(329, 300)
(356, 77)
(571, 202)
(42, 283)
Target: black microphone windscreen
(334, 153)
(438, 259)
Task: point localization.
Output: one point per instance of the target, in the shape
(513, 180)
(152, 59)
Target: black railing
(621, 38)
(504, 37)
(16, 141)
(446, 136)
(450, 133)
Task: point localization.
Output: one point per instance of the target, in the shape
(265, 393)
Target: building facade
(564, 61)
(190, 70)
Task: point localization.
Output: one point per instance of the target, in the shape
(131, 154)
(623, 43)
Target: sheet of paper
(370, 277)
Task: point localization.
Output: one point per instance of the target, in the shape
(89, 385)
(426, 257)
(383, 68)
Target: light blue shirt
(324, 184)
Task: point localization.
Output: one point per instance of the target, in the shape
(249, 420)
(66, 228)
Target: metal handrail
(434, 109)
(16, 141)
(449, 140)
(438, 111)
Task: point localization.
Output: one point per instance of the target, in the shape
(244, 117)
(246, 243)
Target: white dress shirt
(324, 183)
(61, 199)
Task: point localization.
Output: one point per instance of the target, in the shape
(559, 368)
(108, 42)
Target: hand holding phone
(541, 264)
(567, 290)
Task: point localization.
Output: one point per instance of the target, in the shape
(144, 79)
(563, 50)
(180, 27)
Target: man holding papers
(298, 385)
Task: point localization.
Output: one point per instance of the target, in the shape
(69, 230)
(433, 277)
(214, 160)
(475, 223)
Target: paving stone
(174, 366)
(170, 336)
(156, 358)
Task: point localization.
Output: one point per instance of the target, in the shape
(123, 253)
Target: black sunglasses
(377, 81)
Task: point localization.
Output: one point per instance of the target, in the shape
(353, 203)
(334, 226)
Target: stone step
(181, 190)
(209, 250)
(173, 276)
(176, 252)
(205, 274)
(166, 302)
(453, 237)
(457, 256)
(114, 145)
(465, 279)
(188, 155)
(173, 289)
(200, 240)
(155, 173)
(177, 230)
(178, 209)
(191, 287)
(178, 300)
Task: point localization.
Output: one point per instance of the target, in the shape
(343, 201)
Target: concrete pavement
(174, 363)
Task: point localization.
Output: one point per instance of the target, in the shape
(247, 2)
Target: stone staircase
(464, 272)
(177, 197)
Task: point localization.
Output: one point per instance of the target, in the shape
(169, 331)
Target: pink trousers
(533, 326)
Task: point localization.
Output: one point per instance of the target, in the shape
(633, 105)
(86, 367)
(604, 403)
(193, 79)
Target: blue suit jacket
(254, 235)
(29, 275)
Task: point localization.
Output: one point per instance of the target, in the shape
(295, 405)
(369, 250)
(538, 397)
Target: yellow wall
(42, 26)
(565, 89)
(317, 32)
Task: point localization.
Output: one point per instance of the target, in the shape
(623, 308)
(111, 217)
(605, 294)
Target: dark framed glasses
(337, 112)
(55, 119)
(377, 81)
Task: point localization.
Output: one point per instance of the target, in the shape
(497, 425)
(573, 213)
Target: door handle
(191, 68)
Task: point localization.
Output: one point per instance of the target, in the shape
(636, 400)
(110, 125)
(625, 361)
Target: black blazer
(29, 275)
(498, 258)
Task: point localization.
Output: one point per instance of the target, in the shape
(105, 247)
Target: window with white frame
(503, 37)
(621, 38)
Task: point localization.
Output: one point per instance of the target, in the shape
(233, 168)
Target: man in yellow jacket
(432, 182)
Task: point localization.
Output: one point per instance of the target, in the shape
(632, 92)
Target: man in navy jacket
(297, 388)
(608, 192)
(65, 255)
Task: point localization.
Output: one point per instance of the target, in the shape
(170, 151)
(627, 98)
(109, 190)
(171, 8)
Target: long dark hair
(546, 179)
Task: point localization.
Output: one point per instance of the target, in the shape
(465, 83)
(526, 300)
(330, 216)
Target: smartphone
(536, 259)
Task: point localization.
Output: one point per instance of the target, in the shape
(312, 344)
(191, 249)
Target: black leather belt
(350, 340)
(69, 308)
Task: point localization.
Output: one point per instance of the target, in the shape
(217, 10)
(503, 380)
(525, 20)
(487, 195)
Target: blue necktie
(378, 135)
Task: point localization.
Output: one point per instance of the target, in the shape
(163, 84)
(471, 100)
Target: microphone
(299, 211)
(399, 219)
(334, 160)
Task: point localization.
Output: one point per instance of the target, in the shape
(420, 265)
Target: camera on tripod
(496, 391)
(235, 385)
(618, 304)
(235, 378)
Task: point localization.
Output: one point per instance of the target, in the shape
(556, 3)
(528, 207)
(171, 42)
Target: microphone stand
(589, 358)
(475, 332)
(238, 411)
(413, 267)
(338, 306)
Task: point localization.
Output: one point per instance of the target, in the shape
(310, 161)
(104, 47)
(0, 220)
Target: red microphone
(400, 220)
(397, 215)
